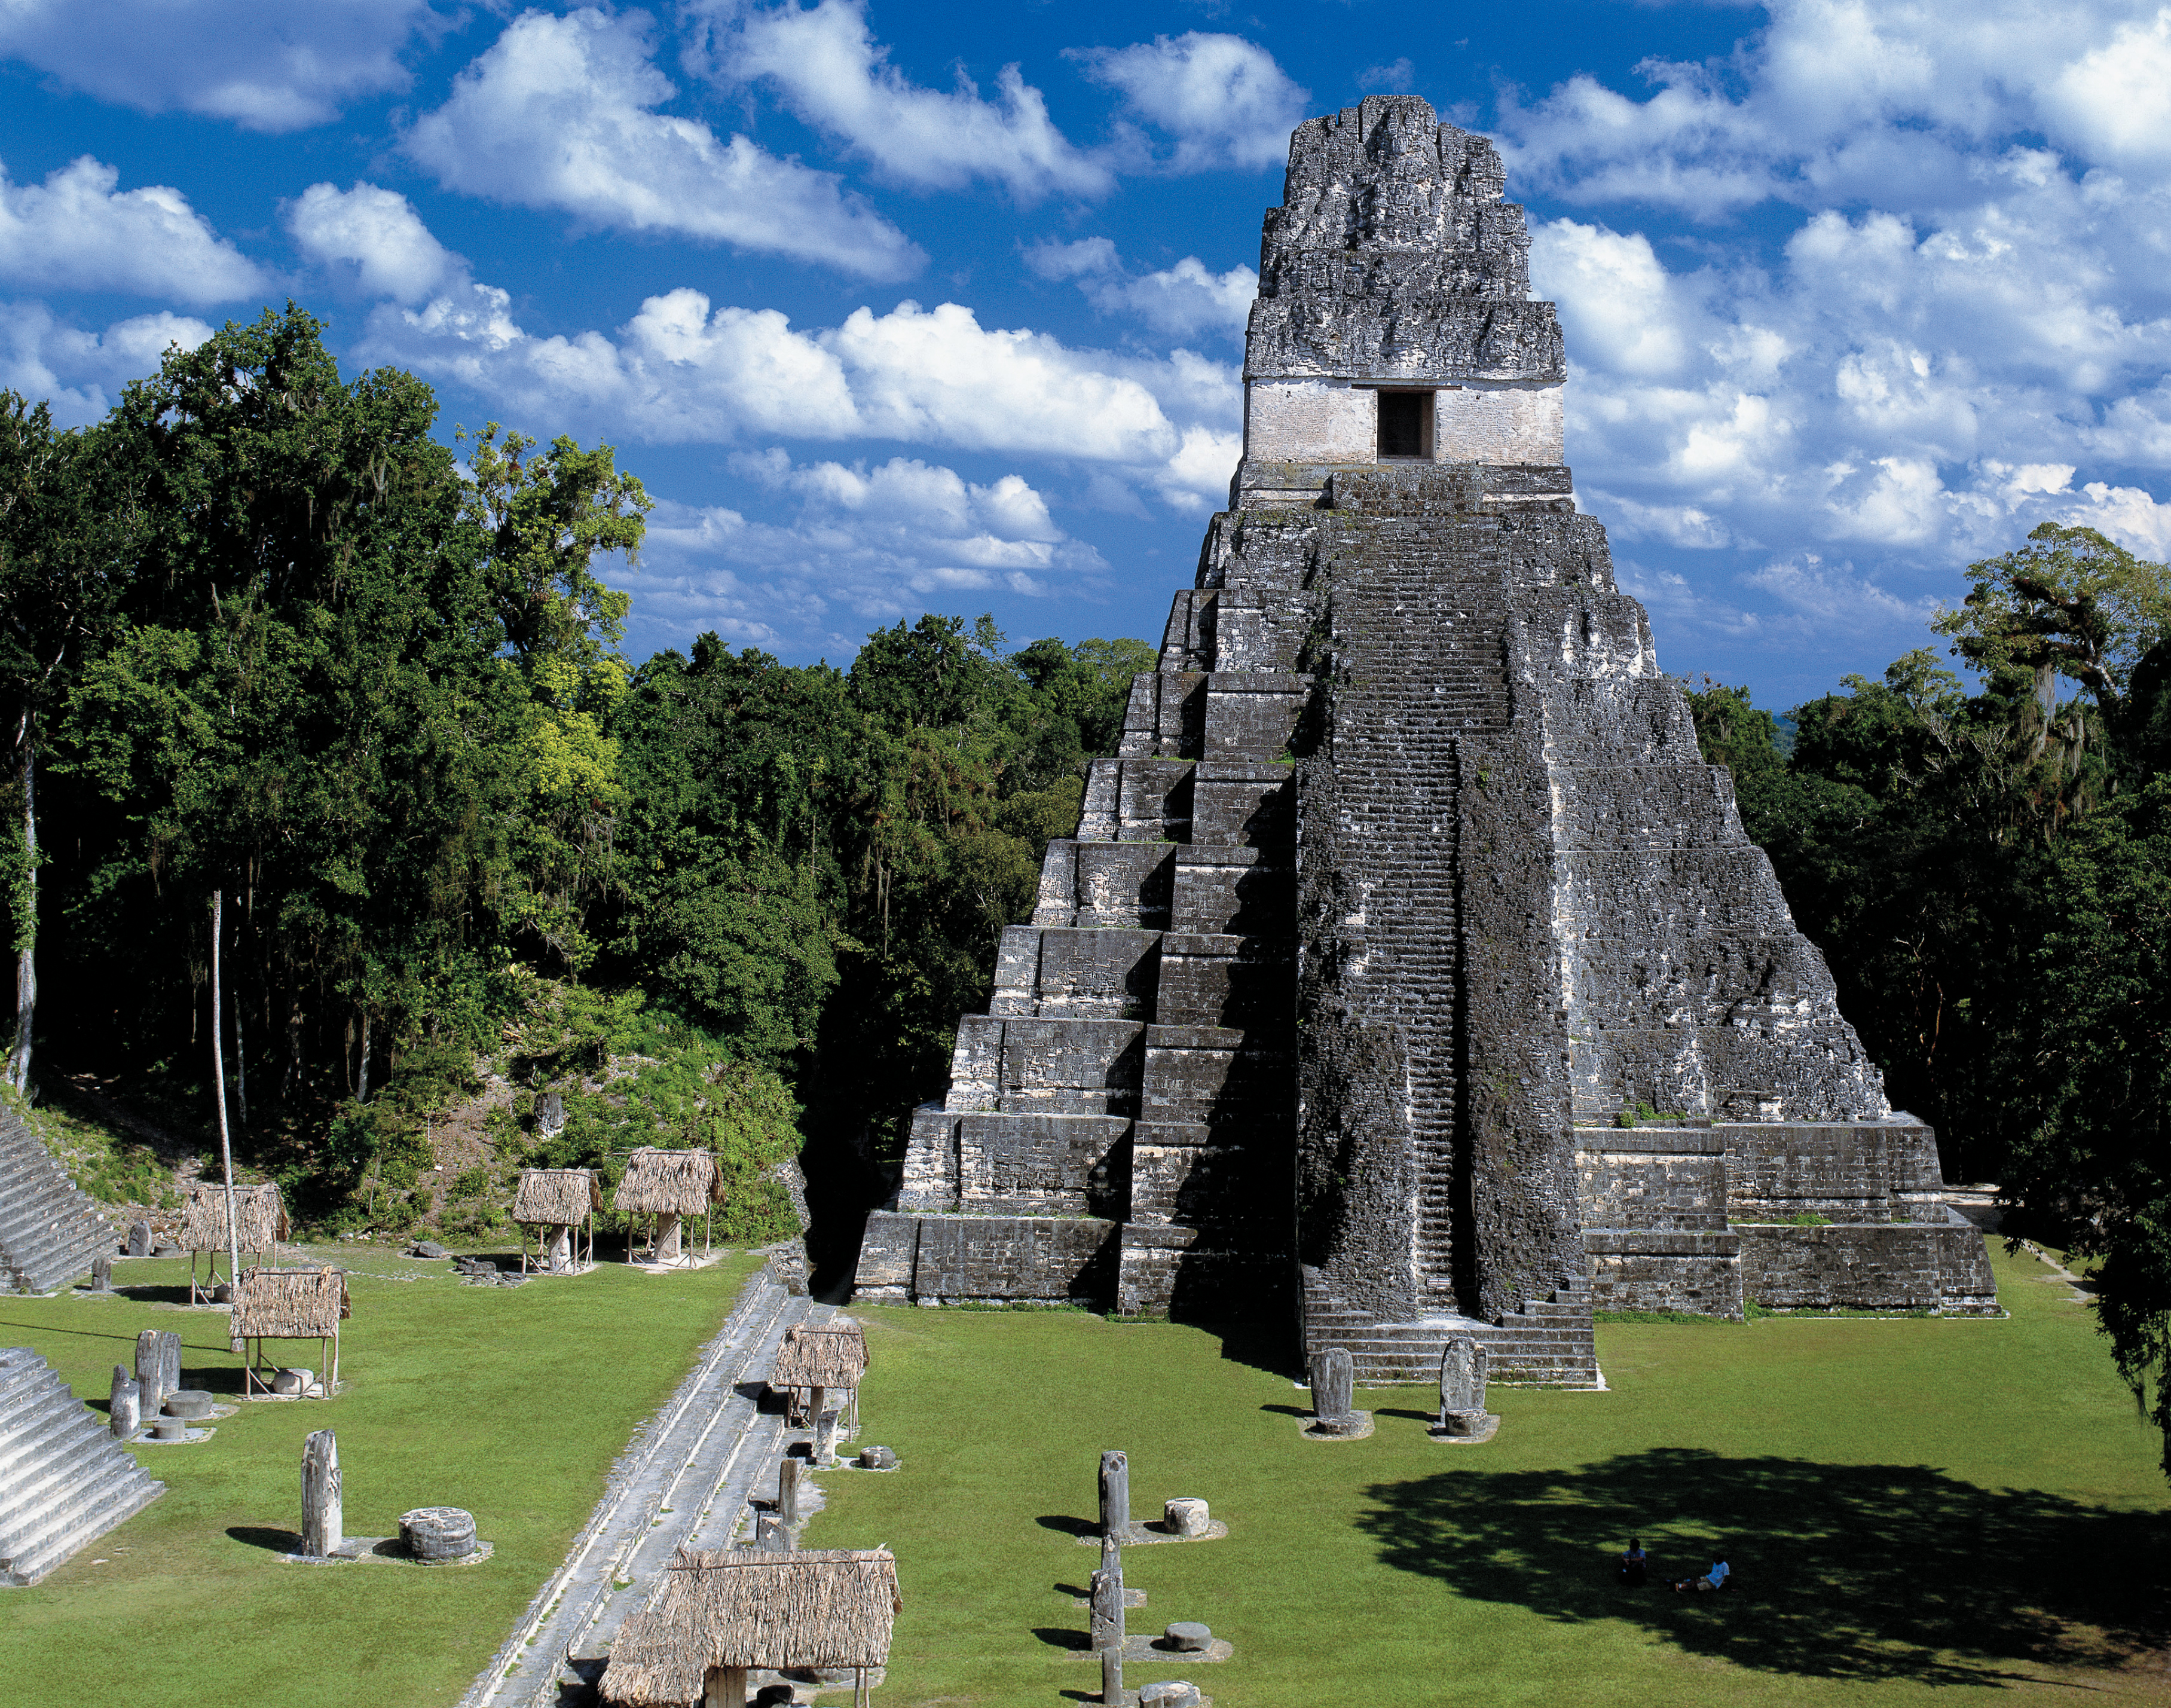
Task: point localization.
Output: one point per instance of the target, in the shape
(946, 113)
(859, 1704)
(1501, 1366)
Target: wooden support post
(321, 1534)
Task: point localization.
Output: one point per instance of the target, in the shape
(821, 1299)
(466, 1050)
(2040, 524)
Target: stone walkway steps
(683, 1481)
(64, 1480)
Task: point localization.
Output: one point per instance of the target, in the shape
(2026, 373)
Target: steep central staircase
(49, 1231)
(64, 1480)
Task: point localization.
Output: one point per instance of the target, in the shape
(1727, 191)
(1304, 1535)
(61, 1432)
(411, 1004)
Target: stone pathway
(683, 1482)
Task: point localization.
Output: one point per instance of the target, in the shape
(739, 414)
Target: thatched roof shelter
(822, 1354)
(556, 1197)
(260, 1218)
(289, 1304)
(670, 1183)
(817, 1607)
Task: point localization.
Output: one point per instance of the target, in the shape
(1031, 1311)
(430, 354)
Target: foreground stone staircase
(64, 1480)
(50, 1231)
(1548, 1342)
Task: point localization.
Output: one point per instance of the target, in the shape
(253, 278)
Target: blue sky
(902, 308)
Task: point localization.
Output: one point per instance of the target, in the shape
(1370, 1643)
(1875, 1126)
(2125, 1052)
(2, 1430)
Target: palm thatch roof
(556, 1197)
(824, 1355)
(818, 1607)
(260, 1216)
(676, 1183)
(289, 1304)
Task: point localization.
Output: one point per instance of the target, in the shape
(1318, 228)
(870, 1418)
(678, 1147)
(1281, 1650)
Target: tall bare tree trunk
(240, 1070)
(218, 1079)
(26, 928)
(362, 1079)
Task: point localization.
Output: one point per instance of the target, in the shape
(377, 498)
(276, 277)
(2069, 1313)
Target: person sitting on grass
(1633, 1564)
(1714, 1578)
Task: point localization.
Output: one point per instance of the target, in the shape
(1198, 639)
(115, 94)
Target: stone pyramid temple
(1410, 974)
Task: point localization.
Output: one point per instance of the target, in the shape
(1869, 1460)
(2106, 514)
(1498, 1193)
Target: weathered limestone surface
(1408, 879)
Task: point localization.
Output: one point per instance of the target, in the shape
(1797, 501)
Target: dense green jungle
(321, 727)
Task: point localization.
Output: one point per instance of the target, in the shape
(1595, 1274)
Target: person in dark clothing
(1633, 1564)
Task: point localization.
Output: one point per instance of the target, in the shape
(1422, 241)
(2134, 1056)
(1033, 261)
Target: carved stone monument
(124, 1412)
(1409, 916)
(1334, 1415)
(321, 1519)
(158, 1367)
(787, 1493)
(101, 1273)
(1116, 1496)
(139, 1239)
(1107, 1595)
(1462, 1415)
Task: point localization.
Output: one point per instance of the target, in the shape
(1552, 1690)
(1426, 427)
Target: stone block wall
(948, 1260)
(1939, 1266)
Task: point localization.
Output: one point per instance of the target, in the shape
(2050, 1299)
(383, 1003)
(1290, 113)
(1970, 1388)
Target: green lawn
(1914, 1507)
(1917, 1509)
(510, 1402)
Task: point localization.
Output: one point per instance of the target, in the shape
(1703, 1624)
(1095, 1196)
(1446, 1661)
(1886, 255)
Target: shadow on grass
(1056, 1637)
(29, 1329)
(1288, 1411)
(1855, 1572)
(274, 1541)
(156, 1293)
(1067, 1525)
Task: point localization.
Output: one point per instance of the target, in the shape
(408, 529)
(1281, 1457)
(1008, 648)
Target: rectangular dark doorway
(1405, 424)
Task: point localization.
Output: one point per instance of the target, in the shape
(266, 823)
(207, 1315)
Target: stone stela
(1409, 898)
(1334, 1414)
(1463, 1364)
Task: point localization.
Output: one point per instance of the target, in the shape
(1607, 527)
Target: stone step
(59, 1457)
(64, 1480)
(113, 1495)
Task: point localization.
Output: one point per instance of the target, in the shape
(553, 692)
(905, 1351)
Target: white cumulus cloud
(560, 113)
(1181, 300)
(263, 64)
(832, 73)
(1222, 99)
(78, 231)
(683, 369)
(858, 544)
(80, 372)
(379, 235)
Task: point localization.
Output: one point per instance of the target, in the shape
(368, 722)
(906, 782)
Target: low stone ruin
(1186, 1515)
(438, 1535)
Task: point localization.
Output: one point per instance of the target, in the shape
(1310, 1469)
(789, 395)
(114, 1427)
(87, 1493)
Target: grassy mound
(1916, 1509)
(510, 1402)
